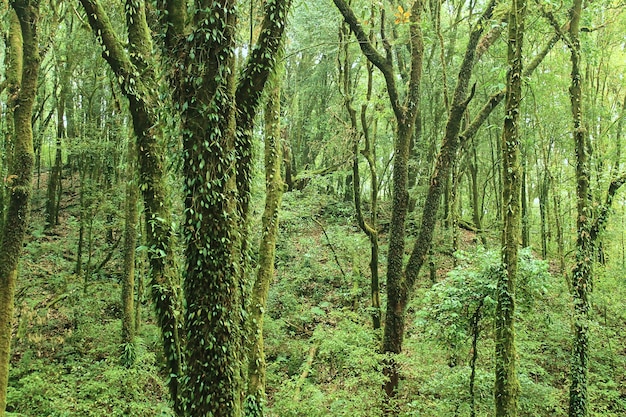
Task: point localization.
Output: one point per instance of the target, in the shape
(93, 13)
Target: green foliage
(66, 354)
(451, 303)
(77, 372)
(345, 375)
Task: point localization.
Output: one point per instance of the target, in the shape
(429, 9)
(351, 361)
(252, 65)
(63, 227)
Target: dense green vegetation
(248, 208)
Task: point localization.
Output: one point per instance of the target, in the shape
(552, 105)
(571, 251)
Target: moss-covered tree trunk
(506, 390)
(369, 228)
(217, 119)
(212, 285)
(136, 75)
(274, 188)
(13, 73)
(130, 242)
(582, 273)
(443, 166)
(405, 112)
(20, 174)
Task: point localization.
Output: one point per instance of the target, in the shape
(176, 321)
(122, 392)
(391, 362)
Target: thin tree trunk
(369, 228)
(543, 211)
(141, 93)
(524, 196)
(130, 242)
(474, 358)
(506, 390)
(476, 206)
(394, 326)
(582, 273)
(560, 244)
(54, 181)
(274, 187)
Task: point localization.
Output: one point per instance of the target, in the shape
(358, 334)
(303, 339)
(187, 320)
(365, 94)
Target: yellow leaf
(402, 16)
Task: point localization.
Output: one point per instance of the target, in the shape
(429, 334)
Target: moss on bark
(274, 187)
(20, 176)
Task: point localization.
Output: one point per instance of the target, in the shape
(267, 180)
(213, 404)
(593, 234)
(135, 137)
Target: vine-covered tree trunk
(405, 113)
(25, 51)
(217, 120)
(136, 78)
(400, 280)
(582, 273)
(506, 390)
(443, 165)
(274, 188)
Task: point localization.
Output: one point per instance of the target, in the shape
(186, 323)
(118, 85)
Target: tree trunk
(217, 122)
(506, 390)
(130, 242)
(582, 273)
(14, 65)
(54, 181)
(475, 333)
(26, 51)
(274, 187)
(476, 206)
(142, 96)
(525, 214)
(369, 228)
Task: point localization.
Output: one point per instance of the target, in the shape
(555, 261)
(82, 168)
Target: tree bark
(369, 228)
(506, 390)
(135, 79)
(130, 242)
(54, 181)
(449, 147)
(274, 188)
(14, 62)
(20, 173)
(582, 273)
(217, 119)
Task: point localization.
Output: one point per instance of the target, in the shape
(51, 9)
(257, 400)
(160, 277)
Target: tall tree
(591, 216)
(506, 390)
(137, 75)
(400, 279)
(405, 110)
(274, 188)
(25, 52)
(217, 116)
(130, 240)
(582, 273)
(369, 227)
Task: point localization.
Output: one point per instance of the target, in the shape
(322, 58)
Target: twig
(330, 245)
(108, 257)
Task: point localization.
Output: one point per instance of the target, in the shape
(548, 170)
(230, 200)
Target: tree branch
(495, 99)
(373, 56)
(599, 224)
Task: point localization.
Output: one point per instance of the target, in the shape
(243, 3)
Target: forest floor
(322, 353)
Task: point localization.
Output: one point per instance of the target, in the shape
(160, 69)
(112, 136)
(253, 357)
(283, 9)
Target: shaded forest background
(315, 154)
